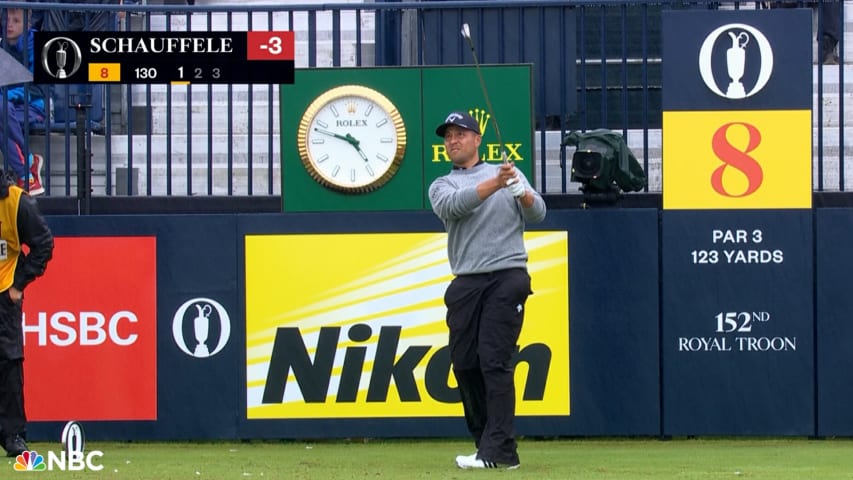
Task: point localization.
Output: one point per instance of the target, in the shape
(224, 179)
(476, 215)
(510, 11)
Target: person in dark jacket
(70, 20)
(24, 104)
(829, 20)
(21, 223)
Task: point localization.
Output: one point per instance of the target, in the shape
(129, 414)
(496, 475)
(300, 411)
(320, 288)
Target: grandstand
(223, 140)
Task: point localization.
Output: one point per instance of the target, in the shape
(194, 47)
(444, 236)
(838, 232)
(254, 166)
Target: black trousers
(13, 420)
(485, 313)
(829, 29)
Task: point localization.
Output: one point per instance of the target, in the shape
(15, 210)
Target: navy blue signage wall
(201, 341)
(834, 259)
(738, 327)
(738, 331)
(776, 48)
(742, 353)
(614, 320)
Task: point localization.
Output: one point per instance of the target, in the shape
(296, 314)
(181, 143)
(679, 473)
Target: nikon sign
(365, 334)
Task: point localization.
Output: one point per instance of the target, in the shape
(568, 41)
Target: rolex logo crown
(351, 107)
(482, 117)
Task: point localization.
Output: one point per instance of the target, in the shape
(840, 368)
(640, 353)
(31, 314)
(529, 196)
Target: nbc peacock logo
(30, 461)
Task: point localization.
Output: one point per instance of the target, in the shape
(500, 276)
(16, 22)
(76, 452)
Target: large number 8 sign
(736, 158)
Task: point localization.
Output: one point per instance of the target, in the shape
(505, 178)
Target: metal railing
(596, 65)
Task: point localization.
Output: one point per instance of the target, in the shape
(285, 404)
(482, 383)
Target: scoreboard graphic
(263, 57)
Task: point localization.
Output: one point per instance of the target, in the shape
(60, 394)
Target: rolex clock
(351, 139)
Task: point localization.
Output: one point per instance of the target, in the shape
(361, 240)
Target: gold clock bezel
(350, 91)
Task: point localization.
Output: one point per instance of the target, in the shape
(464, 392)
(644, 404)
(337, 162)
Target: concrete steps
(203, 118)
(228, 157)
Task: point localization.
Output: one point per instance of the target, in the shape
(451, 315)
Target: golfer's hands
(508, 178)
(506, 174)
(516, 187)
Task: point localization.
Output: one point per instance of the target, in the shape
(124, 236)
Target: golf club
(466, 32)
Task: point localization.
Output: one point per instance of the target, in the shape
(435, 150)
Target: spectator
(829, 26)
(24, 105)
(830, 16)
(23, 224)
(64, 96)
(55, 20)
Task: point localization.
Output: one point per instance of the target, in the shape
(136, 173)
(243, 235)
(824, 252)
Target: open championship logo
(741, 37)
(56, 55)
(192, 327)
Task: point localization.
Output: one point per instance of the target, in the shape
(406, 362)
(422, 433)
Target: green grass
(602, 459)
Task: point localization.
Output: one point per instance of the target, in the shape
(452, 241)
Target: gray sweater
(482, 235)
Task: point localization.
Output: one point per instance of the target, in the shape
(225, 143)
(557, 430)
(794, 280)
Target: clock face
(352, 139)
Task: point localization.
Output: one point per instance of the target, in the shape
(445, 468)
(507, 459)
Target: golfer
(484, 208)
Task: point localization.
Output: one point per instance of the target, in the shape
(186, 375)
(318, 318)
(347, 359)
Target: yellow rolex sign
(359, 332)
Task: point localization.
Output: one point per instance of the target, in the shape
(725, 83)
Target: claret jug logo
(201, 327)
(489, 152)
(61, 57)
(736, 61)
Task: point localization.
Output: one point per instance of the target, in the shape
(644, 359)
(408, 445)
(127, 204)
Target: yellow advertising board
(353, 326)
(737, 159)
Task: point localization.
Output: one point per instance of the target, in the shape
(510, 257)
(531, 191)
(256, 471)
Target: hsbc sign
(63, 329)
(93, 315)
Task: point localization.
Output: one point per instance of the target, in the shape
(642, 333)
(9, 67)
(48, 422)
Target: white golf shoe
(471, 461)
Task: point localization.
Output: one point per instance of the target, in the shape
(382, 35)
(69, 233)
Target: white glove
(516, 187)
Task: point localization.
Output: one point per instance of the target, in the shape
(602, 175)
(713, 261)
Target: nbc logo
(30, 462)
(73, 457)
